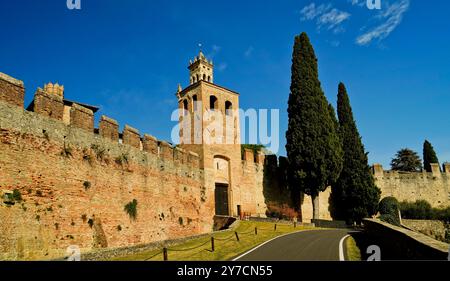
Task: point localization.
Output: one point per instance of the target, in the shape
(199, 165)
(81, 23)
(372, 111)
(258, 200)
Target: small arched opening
(195, 102)
(212, 102)
(185, 107)
(228, 108)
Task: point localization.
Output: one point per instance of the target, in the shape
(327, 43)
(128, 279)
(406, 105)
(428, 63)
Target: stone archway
(222, 185)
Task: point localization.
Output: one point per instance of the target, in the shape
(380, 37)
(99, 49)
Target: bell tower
(201, 69)
(209, 126)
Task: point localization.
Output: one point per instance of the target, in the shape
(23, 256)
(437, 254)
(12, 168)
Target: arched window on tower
(228, 108)
(204, 77)
(212, 102)
(198, 78)
(209, 78)
(195, 103)
(185, 107)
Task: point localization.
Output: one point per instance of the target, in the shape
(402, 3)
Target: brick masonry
(76, 181)
(74, 190)
(12, 90)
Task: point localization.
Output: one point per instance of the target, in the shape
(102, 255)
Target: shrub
(388, 205)
(131, 209)
(122, 159)
(17, 196)
(422, 210)
(99, 151)
(389, 210)
(87, 185)
(283, 211)
(391, 219)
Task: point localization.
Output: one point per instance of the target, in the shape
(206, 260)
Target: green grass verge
(353, 252)
(226, 245)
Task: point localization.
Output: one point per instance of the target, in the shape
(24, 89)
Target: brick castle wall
(75, 183)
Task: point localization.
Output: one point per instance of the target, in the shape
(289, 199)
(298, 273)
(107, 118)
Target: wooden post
(275, 227)
(212, 244)
(237, 236)
(295, 224)
(166, 258)
(256, 231)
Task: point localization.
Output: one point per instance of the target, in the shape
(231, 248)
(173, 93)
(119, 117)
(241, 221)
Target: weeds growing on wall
(122, 159)
(131, 209)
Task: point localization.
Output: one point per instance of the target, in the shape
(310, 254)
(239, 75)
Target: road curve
(311, 245)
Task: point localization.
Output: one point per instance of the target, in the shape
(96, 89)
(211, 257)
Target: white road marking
(248, 252)
(341, 248)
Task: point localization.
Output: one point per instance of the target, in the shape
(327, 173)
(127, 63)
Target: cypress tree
(429, 156)
(313, 146)
(355, 195)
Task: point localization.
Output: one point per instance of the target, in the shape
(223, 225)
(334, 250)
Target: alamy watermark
(212, 126)
(74, 4)
(373, 4)
(375, 253)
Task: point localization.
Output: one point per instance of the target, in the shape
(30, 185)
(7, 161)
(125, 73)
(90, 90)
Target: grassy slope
(224, 250)
(353, 252)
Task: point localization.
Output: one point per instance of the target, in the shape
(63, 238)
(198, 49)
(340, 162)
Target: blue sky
(128, 57)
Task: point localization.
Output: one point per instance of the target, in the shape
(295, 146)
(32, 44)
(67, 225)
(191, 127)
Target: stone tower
(201, 69)
(209, 126)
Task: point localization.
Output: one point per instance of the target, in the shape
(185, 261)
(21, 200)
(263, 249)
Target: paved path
(313, 245)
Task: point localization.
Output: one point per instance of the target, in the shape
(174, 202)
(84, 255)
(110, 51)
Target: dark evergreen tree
(429, 156)
(406, 160)
(313, 146)
(355, 195)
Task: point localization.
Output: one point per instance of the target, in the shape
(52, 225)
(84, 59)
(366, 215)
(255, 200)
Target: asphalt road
(313, 245)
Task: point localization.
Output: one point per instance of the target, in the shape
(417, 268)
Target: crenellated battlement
(250, 158)
(49, 102)
(433, 186)
(379, 172)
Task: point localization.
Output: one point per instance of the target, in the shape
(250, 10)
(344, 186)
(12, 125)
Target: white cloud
(332, 19)
(325, 15)
(310, 12)
(391, 18)
(359, 3)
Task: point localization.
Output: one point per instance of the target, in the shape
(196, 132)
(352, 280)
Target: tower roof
(200, 58)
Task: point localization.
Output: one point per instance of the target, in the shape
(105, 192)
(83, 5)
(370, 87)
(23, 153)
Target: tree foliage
(355, 195)
(406, 160)
(429, 156)
(389, 210)
(313, 145)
